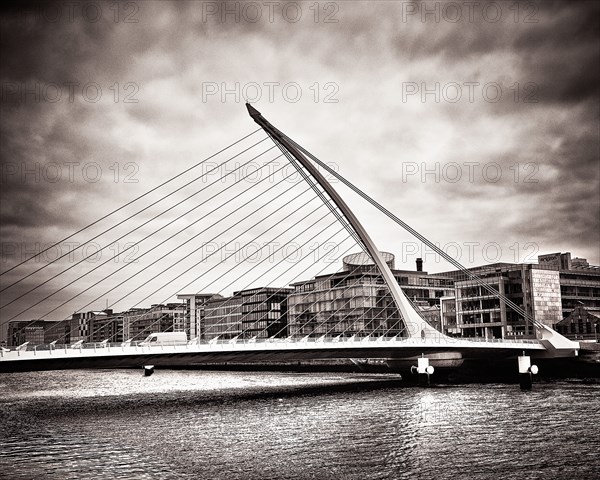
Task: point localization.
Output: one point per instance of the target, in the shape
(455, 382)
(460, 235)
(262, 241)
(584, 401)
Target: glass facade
(255, 313)
(138, 323)
(36, 332)
(356, 301)
(580, 287)
(478, 312)
(193, 322)
(354, 305)
(546, 291)
(448, 316)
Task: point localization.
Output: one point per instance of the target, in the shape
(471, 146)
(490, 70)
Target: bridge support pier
(423, 370)
(526, 372)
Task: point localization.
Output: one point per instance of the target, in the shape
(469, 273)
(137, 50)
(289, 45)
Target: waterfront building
(356, 300)
(106, 325)
(579, 325)
(547, 291)
(57, 331)
(254, 313)
(36, 332)
(448, 316)
(478, 313)
(79, 327)
(194, 312)
(138, 323)
(95, 326)
(431, 313)
(580, 286)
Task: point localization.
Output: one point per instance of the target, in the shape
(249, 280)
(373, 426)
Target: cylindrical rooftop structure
(363, 259)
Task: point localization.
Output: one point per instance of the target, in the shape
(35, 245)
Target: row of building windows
(358, 297)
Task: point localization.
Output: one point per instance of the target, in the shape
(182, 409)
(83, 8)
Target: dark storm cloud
(41, 138)
(559, 52)
(32, 48)
(47, 166)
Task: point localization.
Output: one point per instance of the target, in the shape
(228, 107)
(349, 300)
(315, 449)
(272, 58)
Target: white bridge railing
(254, 344)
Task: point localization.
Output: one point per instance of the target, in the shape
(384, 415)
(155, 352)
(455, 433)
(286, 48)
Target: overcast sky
(476, 124)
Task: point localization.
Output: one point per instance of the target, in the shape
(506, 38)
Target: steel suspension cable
(253, 185)
(163, 242)
(195, 250)
(289, 254)
(423, 239)
(327, 201)
(125, 220)
(132, 201)
(131, 231)
(215, 252)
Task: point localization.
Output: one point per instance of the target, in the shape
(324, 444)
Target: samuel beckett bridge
(269, 216)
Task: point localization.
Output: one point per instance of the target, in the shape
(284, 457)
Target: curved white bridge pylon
(416, 326)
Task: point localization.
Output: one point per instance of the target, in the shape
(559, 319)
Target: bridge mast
(416, 326)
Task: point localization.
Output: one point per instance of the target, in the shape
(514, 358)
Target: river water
(118, 424)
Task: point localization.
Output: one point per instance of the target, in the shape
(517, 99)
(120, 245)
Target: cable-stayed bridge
(267, 219)
(99, 355)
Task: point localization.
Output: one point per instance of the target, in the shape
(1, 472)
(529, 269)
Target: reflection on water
(241, 425)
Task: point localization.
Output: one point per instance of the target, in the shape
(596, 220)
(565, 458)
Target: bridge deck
(121, 355)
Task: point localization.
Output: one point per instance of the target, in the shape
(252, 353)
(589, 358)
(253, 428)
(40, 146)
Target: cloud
(172, 91)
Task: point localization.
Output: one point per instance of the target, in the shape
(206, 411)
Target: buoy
(423, 369)
(526, 372)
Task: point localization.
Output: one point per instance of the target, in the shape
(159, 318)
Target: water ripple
(239, 425)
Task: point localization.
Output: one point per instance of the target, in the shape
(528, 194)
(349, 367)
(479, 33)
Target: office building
(138, 323)
(36, 332)
(548, 292)
(579, 286)
(253, 313)
(106, 325)
(579, 325)
(194, 312)
(357, 302)
(95, 326)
